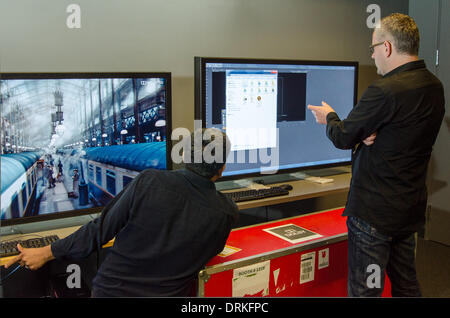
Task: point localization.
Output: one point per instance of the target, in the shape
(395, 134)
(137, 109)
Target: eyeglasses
(372, 47)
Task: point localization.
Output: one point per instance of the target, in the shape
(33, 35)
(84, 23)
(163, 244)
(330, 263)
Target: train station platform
(56, 199)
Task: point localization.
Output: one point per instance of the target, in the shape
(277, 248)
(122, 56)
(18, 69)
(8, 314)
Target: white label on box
(252, 280)
(307, 263)
(323, 258)
(292, 233)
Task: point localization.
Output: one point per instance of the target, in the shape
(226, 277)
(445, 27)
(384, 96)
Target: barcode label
(307, 263)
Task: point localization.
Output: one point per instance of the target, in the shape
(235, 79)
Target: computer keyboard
(9, 248)
(253, 194)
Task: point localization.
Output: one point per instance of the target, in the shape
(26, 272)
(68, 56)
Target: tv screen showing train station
(71, 142)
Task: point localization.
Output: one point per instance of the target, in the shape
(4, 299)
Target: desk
(62, 233)
(302, 189)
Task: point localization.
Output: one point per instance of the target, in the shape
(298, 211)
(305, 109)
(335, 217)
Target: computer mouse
(286, 187)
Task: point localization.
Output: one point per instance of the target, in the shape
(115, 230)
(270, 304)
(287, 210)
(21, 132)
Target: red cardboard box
(302, 256)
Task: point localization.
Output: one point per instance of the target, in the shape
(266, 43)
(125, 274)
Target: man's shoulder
(408, 80)
(377, 90)
(157, 173)
(163, 178)
(173, 180)
(229, 207)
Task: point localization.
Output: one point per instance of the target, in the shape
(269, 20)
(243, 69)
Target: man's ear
(388, 48)
(219, 174)
(221, 170)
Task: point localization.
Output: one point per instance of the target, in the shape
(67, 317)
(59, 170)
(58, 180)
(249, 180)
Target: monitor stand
(47, 225)
(327, 172)
(232, 184)
(9, 230)
(278, 178)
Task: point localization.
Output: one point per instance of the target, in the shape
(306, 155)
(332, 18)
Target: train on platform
(19, 178)
(104, 172)
(109, 169)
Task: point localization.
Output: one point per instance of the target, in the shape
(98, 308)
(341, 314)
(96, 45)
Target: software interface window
(251, 96)
(263, 107)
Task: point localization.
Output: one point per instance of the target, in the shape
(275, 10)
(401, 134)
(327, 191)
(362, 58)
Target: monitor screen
(262, 106)
(71, 142)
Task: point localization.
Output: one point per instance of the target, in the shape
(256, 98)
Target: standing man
(75, 179)
(51, 180)
(167, 225)
(398, 118)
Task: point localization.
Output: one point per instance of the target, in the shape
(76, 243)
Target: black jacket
(405, 107)
(167, 225)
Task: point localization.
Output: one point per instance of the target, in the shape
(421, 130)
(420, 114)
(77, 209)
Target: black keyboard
(253, 194)
(9, 248)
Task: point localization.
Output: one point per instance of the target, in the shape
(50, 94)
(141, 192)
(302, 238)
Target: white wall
(165, 35)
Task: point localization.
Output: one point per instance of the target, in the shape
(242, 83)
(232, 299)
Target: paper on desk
(299, 175)
(243, 182)
(319, 180)
(249, 184)
(228, 250)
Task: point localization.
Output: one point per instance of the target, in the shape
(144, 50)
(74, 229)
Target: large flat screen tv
(71, 142)
(262, 106)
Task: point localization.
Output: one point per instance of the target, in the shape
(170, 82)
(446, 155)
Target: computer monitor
(262, 106)
(71, 142)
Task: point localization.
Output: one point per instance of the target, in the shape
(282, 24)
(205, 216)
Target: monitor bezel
(200, 99)
(92, 75)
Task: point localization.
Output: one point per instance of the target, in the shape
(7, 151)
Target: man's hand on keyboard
(32, 258)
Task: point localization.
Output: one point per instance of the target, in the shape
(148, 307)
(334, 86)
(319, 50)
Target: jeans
(372, 254)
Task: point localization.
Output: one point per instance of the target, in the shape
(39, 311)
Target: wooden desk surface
(62, 233)
(302, 189)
